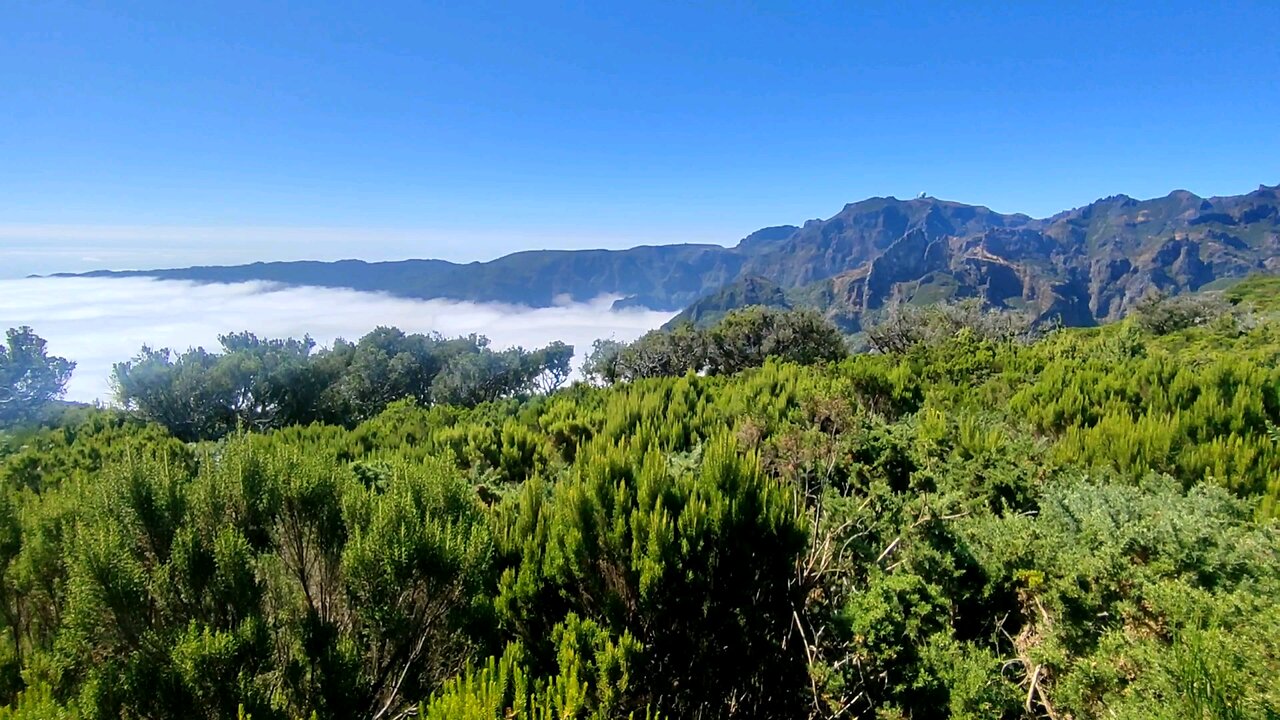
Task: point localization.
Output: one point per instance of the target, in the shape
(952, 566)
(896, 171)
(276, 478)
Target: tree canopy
(29, 377)
(742, 339)
(257, 383)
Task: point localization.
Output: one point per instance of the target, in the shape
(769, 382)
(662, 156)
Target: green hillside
(981, 521)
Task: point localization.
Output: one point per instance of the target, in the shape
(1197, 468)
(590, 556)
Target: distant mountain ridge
(1083, 266)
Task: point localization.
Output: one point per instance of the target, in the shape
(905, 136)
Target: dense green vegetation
(977, 522)
(742, 339)
(259, 384)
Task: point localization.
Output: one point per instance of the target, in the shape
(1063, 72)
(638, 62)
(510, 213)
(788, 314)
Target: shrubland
(978, 521)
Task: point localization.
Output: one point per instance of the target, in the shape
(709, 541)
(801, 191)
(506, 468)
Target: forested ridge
(978, 518)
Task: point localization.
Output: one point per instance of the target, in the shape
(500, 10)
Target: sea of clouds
(99, 321)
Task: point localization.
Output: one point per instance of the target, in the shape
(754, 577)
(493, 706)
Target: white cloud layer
(99, 321)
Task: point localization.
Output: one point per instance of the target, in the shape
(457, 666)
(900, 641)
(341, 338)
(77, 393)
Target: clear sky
(142, 134)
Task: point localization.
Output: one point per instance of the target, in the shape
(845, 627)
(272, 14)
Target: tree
(601, 364)
(384, 366)
(183, 391)
(744, 338)
(478, 374)
(472, 378)
(29, 377)
(903, 327)
(554, 362)
(270, 383)
(663, 353)
(1160, 314)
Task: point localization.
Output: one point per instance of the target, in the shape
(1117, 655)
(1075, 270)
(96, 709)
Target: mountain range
(1082, 266)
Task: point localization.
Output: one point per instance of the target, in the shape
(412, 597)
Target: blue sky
(142, 134)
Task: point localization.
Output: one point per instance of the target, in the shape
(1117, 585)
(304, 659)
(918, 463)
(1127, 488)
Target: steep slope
(1177, 243)
(863, 231)
(1081, 266)
(748, 291)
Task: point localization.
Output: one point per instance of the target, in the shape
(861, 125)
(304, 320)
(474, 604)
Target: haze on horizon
(161, 135)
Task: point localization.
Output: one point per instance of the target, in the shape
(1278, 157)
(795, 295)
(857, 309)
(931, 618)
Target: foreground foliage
(970, 524)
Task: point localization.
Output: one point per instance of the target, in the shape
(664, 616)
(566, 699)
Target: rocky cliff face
(1082, 266)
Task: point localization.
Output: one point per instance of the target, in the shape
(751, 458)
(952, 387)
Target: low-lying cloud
(100, 321)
